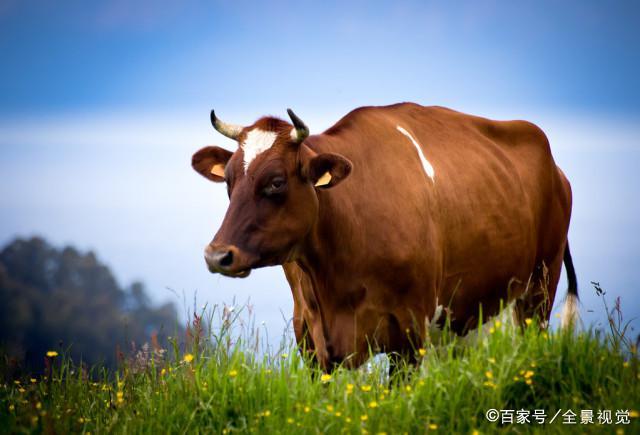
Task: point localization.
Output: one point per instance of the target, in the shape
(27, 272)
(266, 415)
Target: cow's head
(272, 181)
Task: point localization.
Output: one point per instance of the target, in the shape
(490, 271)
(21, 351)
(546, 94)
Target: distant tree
(53, 298)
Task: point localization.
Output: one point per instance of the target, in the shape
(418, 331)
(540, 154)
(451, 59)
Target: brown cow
(390, 215)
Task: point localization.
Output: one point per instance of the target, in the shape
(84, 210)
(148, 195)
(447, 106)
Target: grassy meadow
(224, 381)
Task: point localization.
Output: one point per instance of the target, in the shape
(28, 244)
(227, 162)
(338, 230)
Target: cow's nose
(219, 259)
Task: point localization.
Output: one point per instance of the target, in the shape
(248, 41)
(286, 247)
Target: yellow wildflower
(233, 373)
(528, 321)
(408, 388)
(290, 420)
(52, 354)
(491, 330)
(38, 405)
(163, 372)
(267, 413)
(516, 378)
(373, 404)
(498, 324)
(326, 377)
(433, 426)
(365, 388)
(489, 384)
(330, 408)
(422, 352)
(634, 414)
(33, 381)
(529, 381)
(349, 388)
(120, 397)
(528, 374)
(12, 407)
(364, 417)
(22, 390)
(338, 414)
(187, 358)
(488, 374)
(307, 409)
(492, 360)
(625, 364)
(348, 419)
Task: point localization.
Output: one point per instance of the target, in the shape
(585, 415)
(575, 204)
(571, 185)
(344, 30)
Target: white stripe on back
(428, 169)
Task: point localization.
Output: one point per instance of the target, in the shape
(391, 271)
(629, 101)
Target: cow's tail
(570, 314)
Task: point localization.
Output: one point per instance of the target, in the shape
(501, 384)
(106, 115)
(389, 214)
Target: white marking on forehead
(428, 169)
(256, 142)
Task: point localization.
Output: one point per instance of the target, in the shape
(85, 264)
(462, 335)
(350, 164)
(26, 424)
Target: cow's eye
(276, 185)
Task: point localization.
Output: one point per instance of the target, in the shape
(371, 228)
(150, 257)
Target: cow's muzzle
(227, 260)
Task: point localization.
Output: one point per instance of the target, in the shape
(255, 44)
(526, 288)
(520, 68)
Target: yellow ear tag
(324, 180)
(218, 169)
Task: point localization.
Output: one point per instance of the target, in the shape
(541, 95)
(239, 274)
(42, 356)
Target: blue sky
(103, 103)
(167, 53)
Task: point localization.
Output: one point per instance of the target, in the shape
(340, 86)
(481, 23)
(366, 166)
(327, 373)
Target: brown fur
(374, 254)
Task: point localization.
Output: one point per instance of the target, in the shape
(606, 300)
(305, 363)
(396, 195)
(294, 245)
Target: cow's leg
(398, 361)
(297, 280)
(304, 339)
(537, 301)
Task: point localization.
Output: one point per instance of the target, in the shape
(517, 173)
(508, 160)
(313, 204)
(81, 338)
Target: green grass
(228, 388)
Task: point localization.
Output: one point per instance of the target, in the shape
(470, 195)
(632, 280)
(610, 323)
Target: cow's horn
(230, 130)
(300, 130)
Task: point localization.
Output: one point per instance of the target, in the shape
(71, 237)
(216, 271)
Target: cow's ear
(210, 162)
(327, 169)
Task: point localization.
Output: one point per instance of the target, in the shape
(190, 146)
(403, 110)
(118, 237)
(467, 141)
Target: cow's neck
(334, 236)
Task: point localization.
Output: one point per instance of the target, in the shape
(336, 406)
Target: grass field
(222, 382)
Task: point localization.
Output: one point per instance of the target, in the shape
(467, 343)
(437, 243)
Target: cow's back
(493, 206)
